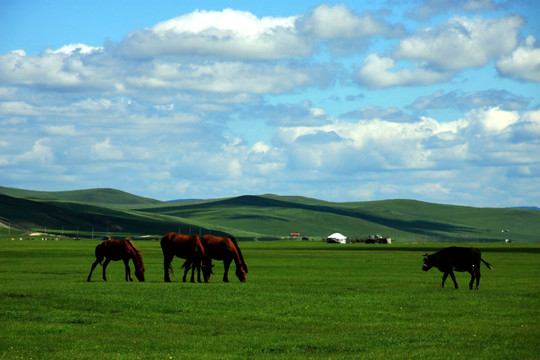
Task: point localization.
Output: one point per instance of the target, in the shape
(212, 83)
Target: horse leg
(199, 272)
(167, 266)
(186, 266)
(92, 269)
(128, 270)
(107, 261)
(226, 264)
(193, 268)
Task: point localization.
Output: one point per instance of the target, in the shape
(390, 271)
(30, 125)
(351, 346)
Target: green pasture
(302, 300)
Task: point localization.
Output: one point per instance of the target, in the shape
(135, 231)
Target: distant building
(336, 238)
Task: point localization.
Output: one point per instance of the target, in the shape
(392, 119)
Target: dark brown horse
(119, 249)
(188, 247)
(222, 248)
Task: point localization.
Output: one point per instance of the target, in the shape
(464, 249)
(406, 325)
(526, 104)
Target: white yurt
(336, 238)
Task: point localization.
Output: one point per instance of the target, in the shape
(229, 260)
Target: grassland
(302, 300)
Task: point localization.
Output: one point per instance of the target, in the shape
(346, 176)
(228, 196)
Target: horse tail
(242, 262)
(487, 264)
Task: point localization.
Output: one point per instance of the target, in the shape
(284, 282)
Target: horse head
(139, 273)
(241, 273)
(207, 271)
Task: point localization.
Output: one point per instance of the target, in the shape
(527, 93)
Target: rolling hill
(99, 197)
(264, 217)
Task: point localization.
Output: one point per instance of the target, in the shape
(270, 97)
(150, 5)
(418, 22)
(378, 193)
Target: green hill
(272, 216)
(85, 220)
(101, 197)
(264, 217)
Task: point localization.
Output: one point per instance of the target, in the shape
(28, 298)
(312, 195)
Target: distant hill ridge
(105, 196)
(266, 216)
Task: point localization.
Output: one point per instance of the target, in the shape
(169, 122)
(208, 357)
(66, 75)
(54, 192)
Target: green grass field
(302, 300)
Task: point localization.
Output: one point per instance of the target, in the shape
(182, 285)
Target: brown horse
(119, 249)
(221, 248)
(188, 247)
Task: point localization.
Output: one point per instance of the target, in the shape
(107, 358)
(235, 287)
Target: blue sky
(435, 100)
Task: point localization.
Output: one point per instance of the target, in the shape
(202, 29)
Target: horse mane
(136, 252)
(242, 261)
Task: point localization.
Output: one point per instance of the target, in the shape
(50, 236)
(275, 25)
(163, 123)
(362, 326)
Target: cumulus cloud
(62, 72)
(462, 42)
(40, 154)
(63, 130)
(343, 30)
(284, 115)
(528, 128)
(339, 21)
(468, 100)
(488, 136)
(523, 63)
(430, 8)
(378, 112)
(215, 103)
(492, 120)
(230, 77)
(106, 151)
(46, 70)
(381, 72)
(228, 34)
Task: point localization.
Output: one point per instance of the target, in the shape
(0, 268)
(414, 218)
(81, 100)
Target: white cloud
(17, 68)
(41, 154)
(229, 34)
(229, 77)
(106, 151)
(217, 103)
(62, 130)
(431, 189)
(76, 48)
(260, 147)
(58, 70)
(528, 128)
(523, 63)
(492, 120)
(462, 42)
(380, 72)
(430, 8)
(17, 108)
(333, 22)
(469, 100)
(487, 136)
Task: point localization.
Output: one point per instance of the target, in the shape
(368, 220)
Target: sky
(433, 100)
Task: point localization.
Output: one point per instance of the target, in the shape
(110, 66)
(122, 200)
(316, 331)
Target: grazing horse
(188, 247)
(119, 249)
(222, 248)
(459, 259)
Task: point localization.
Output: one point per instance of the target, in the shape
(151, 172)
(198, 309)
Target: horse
(221, 248)
(188, 247)
(119, 249)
